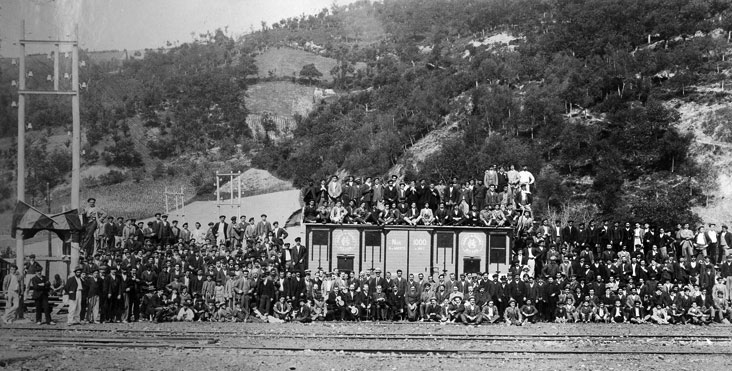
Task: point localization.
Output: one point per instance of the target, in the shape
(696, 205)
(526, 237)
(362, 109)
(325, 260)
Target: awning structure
(30, 221)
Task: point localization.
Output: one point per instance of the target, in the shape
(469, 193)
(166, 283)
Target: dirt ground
(252, 347)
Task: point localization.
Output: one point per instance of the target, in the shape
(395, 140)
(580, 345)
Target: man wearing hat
(32, 266)
(299, 255)
(108, 231)
(41, 287)
(164, 233)
(73, 290)
(94, 283)
(219, 230)
(112, 286)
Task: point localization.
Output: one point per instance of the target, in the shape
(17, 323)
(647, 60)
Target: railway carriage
(421, 249)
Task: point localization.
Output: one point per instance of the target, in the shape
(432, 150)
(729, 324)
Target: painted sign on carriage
(345, 241)
(472, 243)
(396, 241)
(419, 241)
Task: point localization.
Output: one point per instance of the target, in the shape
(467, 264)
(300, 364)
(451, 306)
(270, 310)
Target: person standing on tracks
(73, 289)
(12, 286)
(41, 287)
(95, 286)
(112, 286)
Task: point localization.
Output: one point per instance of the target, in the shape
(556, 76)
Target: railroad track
(198, 335)
(379, 351)
(390, 345)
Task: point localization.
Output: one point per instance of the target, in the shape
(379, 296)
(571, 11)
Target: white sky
(139, 24)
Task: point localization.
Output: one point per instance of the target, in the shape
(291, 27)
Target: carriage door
(319, 249)
(372, 254)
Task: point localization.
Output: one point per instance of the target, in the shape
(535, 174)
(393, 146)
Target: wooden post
(19, 247)
(239, 207)
(75, 142)
(55, 66)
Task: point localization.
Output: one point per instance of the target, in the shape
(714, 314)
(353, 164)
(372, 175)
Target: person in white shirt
(11, 287)
(338, 213)
(185, 313)
(525, 177)
(198, 234)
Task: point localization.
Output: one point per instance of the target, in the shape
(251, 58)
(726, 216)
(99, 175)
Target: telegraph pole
(76, 125)
(75, 141)
(19, 247)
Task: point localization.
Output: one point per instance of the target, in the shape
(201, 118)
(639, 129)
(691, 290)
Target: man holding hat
(73, 290)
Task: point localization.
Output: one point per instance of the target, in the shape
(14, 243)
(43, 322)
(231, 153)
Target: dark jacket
(40, 286)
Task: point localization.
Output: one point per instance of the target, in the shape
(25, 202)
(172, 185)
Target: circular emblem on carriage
(470, 243)
(345, 241)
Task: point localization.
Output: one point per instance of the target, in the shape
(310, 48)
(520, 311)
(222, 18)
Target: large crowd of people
(242, 270)
(499, 199)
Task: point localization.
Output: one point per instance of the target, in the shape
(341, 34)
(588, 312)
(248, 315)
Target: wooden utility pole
(19, 247)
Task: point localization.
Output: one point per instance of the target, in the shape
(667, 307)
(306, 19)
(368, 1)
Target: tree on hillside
(310, 72)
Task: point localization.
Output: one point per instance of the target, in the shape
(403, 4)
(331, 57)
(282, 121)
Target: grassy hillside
(576, 90)
(282, 98)
(287, 62)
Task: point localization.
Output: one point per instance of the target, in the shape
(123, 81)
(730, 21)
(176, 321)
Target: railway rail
(391, 345)
(386, 351)
(193, 335)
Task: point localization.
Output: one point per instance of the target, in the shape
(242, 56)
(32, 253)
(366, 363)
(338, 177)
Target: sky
(140, 24)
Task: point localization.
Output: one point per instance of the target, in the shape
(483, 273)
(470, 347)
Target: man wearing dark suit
(479, 193)
(164, 233)
(452, 195)
(41, 287)
(616, 236)
(309, 193)
(581, 235)
(197, 283)
(604, 235)
(266, 292)
(299, 256)
(569, 233)
(155, 227)
(73, 289)
(220, 229)
(112, 287)
(280, 234)
(455, 217)
(376, 280)
(516, 290)
(725, 241)
(442, 215)
(391, 193)
(108, 229)
(628, 236)
(593, 237)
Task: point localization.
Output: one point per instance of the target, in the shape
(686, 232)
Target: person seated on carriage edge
(455, 217)
(473, 217)
(412, 216)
